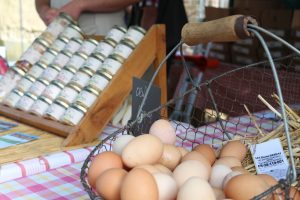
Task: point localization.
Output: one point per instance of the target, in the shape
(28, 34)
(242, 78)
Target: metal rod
(278, 88)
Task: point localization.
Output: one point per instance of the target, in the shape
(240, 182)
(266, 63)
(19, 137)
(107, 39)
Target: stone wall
(19, 26)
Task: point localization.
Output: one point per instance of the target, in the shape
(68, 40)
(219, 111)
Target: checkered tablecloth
(58, 184)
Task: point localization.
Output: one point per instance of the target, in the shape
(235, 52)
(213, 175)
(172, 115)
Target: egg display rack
(151, 50)
(218, 113)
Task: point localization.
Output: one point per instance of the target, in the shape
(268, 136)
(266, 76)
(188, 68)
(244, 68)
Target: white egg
(218, 173)
(120, 143)
(167, 187)
(164, 130)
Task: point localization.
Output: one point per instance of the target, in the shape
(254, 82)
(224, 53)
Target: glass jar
(25, 83)
(124, 48)
(87, 96)
(82, 77)
(38, 86)
(53, 89)
(72, 31)
(40, 106)
(60, 43)
(116, 33)
(13, 97)
(69, 93)
(37, 69)
(65, 75)
(112, 64)
(77, 60)
(62, 58)
(56, 110)
(26, 101)
(50, 72)
(135, 34)
(88, 46)
(105, 47)
(48, 56)
(73, 45)
(94, 61)
(73, 114)
(100, 80)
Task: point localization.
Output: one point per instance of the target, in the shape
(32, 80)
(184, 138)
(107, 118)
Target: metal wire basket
(226, 106)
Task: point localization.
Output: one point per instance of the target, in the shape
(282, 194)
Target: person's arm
(75, 7)
(46, 13)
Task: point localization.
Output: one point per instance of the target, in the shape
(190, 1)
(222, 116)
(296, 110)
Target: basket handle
(227, 29)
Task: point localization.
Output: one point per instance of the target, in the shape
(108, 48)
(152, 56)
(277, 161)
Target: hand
(49, 15)
(73, 8)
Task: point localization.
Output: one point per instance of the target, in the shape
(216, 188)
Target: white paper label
(269, 158)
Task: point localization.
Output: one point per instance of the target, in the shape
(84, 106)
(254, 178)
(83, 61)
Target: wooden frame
(152, 49)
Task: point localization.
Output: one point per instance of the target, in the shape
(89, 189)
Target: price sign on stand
(152, 102)
(269, 158)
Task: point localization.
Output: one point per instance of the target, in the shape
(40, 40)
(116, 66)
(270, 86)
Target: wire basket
(226, 106)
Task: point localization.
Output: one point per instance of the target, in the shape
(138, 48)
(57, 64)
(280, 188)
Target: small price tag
(269, 158)
(152, 102)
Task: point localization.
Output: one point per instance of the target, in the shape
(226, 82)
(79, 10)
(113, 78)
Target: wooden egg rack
(151, 50)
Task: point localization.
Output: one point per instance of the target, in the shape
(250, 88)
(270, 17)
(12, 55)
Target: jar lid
(78, 40)
(74, 86)
(105, 73)
(57, 83)
(32, 96)
(79, 107)
(45, 99)
(54, 66)
(91, 89)
(61, 102)
(67, 53)
(42, 41)
(98, 56)
(87, 71)
(74, 26)
(30, 78)
(18, 91)
(138, 28)
(70, 69)
(52, 51)
(110, 41)
(66, 16)
(91, 40)
(41, 64)
(18, 70)
(82, 55)
(44, 81)
(121, 28)
(117, 57)
(63, 38)
(128, 43)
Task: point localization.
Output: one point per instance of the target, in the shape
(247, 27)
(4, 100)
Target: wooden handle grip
(227, 29)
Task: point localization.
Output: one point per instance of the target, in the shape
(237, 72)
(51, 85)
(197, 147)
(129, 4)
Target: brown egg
(271, 181)
(229, 161)
(142, 150)
(102, 162)
(182, 151)
(150, 168)
(294, 194)
(240, 169)
(139, 184)
(245, 187)
(194, 155)
(108, 184)
(164, 130)
(235, 149)
(170, 157)
(207, 151)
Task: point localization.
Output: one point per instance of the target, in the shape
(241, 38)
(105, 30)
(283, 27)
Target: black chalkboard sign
(152, 102)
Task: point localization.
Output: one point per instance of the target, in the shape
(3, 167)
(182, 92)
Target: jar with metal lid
(77, 60)
(69, 93)
(26, 101)
(100, 80)
(37, 69)
(87, 96)
(72, 31)
(73, 114)
(116, 33)
(73, 45)
(82, 77)
(105, 46)
(56, 110)
(57, 26)
(135, 34)
(94, 61)
(62, 58)
(88, 46)
(13, 97)
(38, 86)
(48, 56)
(124, 48)
(50, 72)
(25, 83)
(9, 80)
(32, 54)
(65, 75)
(40, 106)
(60, 43)
(113, 63)
(53, 89)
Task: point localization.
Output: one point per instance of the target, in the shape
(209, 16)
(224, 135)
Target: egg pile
(151, 167)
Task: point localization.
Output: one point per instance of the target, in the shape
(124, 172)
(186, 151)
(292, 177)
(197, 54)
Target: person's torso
(95, 23)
